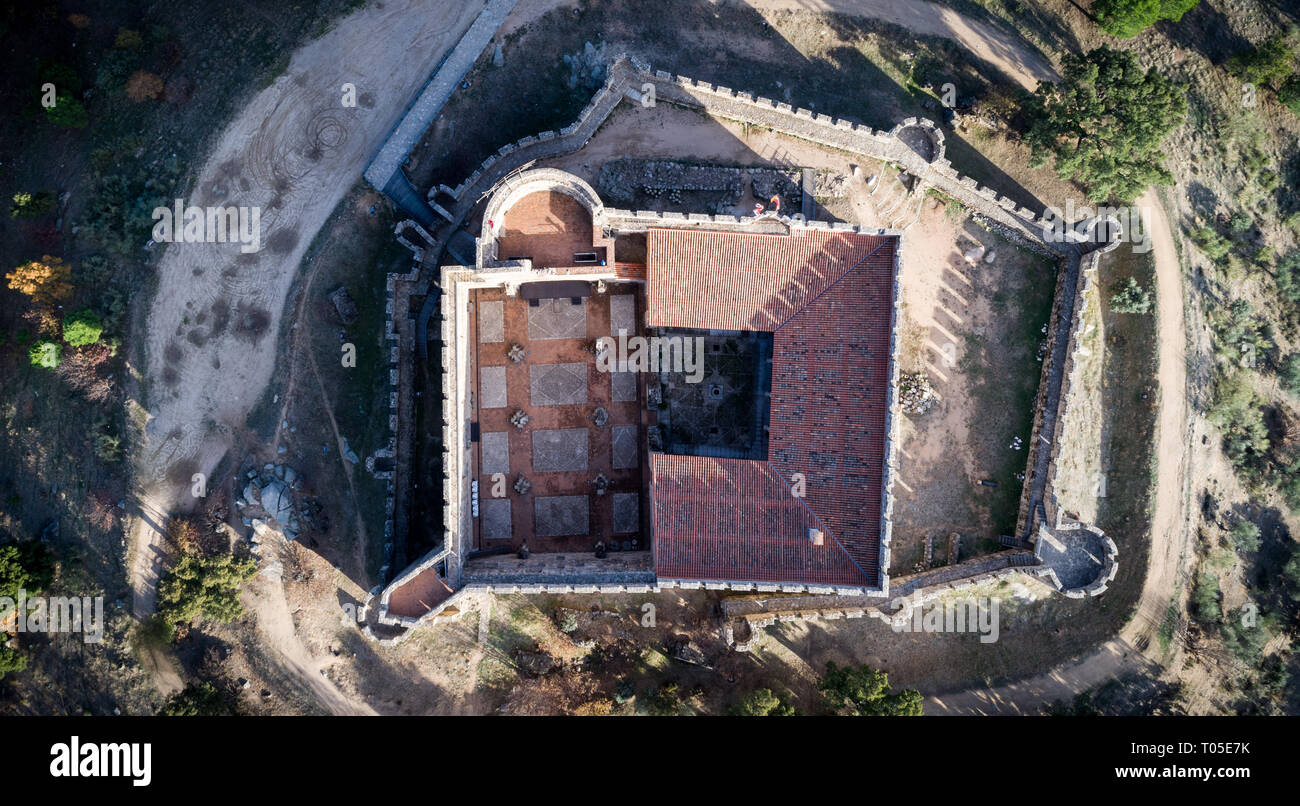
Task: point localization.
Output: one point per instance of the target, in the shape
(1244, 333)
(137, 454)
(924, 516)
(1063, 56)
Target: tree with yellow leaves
(44, 280)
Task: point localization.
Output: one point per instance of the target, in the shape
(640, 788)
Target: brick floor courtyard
(562, 450)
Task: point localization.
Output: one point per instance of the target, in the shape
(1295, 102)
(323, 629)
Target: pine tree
(1105, 123)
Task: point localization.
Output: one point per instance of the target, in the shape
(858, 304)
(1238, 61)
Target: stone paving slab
(495, 513)
(622, 386)
(560, 450)
(622, 314)
(496, 453)
(491, 322)
(558, 384)
(623, 447)
(562, 515)
(492, 387)
(558, 319)
(627, 513)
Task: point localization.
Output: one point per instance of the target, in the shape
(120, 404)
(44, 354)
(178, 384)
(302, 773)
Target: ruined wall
(1076, 468)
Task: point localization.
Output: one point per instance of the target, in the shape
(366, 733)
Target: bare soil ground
(491, 646)
(1002, 49)
(974, 330)
(294, 151)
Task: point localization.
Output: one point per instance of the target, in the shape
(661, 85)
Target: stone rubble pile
(273, 499)
(915, 393)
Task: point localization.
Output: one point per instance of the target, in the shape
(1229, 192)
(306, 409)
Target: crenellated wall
(915, 145)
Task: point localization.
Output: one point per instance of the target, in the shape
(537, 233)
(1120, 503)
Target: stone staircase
(896, 203)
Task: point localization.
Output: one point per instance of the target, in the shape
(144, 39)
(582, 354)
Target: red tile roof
(832, 317)
(742, 281)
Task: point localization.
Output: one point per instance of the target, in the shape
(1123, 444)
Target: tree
(1129, 297)
(29, 567)
(1289, 95)
(67, 113)
(1204, 601)
(143, 86)
(1128, 18)
(45, 354)
(196, 699)
(1290, 373)
(1105, 122)
(204, 586)
(11, 660)
(1266, 63)
(863, 691)
(44, 280)
(31, 205)
(82, 328)
(1245, 536)
(83, 370)
(1236, 411)
(762, 702)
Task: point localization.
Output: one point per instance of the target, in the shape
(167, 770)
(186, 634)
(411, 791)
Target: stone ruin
(273, 499)
(343, 305)
(915, 393)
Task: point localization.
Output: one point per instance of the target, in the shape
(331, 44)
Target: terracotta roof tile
(831, 309)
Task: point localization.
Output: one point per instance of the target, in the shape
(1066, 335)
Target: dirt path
(293, 151)
(1171, 550)
(1008, 53)
(275, 623)
(1005, 51)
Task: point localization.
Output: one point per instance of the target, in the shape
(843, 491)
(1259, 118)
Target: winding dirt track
(1001, 49)
(1171, 547)
(293, 151)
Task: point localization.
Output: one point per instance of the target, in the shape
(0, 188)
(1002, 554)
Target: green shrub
(1264, 64)
(82, 328)
(1289, 95)
(1245, 536)
(1237, 412)
(108, 447)
(197, 699)
(31, 205)
(1241, 334)
(863, 691)
(67, 113)
(46, 354)
(762, 702)
(625, 690)
(1214, 245)
(1128, 18)
(1287, 276)
(1129, 297)
(204, 586)
(1289, 373)
(1204, 603)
